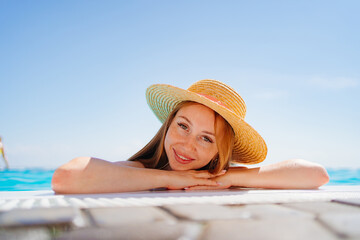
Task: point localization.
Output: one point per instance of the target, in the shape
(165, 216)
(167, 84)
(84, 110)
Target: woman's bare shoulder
(130, 164)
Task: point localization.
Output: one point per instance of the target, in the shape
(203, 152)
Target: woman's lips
(182, 159)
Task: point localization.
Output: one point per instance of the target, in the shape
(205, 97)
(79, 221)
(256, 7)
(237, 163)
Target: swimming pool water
(40, 179)
(344, 176)
(25, 180)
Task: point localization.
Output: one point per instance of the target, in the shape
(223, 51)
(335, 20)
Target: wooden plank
(340, 218)
(38, 233)
(269, 229)
(114, 216)
(134, 231)
(345, 224)
(41, 216)
(271, 211)
(202, 212)
(353, 201)
(322, 207)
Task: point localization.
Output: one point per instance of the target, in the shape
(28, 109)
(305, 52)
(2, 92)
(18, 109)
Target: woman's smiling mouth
(182, 159)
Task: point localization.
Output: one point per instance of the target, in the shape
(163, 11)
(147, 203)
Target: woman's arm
(92, 175)
(290, 174)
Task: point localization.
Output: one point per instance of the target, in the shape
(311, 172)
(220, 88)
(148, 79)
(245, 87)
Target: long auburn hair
(153, 155)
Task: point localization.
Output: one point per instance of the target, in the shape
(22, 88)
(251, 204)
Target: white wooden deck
(326, 213)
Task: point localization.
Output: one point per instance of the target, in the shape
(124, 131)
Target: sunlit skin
(190, 140)
(189, 144)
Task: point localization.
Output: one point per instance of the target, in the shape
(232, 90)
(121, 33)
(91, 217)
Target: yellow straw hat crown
(249, 146)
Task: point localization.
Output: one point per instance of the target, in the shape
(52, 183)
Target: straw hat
(249, 146)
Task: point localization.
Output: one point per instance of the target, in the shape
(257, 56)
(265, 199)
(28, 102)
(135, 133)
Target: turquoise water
(39, 179)
(25, 180)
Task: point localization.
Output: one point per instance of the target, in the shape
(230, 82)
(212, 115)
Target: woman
(2, 153)
(203, 133)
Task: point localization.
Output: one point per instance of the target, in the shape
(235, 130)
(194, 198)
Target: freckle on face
(189, 142)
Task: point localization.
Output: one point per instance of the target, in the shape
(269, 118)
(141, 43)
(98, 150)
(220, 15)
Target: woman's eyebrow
(207, 132)
(210, 133)
(186, 119)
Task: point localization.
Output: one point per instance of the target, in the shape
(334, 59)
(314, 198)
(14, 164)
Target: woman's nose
(190, 143)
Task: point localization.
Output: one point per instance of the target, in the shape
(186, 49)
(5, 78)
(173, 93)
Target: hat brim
(249, 146)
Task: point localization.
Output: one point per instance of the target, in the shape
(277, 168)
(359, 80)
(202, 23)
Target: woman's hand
(290, 174)
(223, 182)
(187, 179)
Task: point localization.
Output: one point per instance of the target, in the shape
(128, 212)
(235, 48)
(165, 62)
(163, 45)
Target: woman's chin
(178, 167)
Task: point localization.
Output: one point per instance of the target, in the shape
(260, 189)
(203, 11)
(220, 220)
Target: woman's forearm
(91, 175)
(290, 174)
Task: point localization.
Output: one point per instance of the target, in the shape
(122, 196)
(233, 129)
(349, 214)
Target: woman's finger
(206, 182)
(204, 188)
(203, 174)
(207, 174)
(222, 172)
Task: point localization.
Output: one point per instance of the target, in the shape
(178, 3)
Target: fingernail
(219, 183)
(223, 171)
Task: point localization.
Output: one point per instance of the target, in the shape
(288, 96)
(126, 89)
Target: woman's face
(190, 140)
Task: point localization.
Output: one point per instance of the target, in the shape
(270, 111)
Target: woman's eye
(183, 126)
(206, 139)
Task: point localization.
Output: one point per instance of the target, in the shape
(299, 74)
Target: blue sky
(73, 74)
